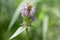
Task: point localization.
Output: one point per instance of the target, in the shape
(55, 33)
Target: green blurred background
(50, 8)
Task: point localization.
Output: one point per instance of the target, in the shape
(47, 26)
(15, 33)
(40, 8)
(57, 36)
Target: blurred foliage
(43, 8)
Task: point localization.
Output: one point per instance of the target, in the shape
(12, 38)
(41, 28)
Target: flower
(32, 18)
(32, 11)
(27, 14)
(27, 10)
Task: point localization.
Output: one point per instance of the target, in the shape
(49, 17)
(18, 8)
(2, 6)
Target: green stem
(27, 34)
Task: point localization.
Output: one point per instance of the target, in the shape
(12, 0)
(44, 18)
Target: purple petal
(23, 7)
(32, 18)
(24, 12)
(33, 9)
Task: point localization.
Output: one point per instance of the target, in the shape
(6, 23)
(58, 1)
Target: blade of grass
(45, 26)
(19, 30)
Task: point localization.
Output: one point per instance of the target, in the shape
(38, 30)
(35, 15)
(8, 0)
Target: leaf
(19, 30)
(45, 26)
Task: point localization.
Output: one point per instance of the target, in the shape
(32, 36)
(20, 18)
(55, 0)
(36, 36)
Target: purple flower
(24, 7)
(32, 18)
(24, 12)
(27, 14)
(28, 10)
(32, 11)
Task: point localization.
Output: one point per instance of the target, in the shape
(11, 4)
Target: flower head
(27, 10)
(27, 13)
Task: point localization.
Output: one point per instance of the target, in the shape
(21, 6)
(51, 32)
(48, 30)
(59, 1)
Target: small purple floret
(32, 18)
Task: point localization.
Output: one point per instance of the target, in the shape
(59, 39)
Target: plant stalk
(27, 34)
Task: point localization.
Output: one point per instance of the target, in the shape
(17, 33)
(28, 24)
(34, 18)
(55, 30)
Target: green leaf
(45, 26)
(19, 30)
